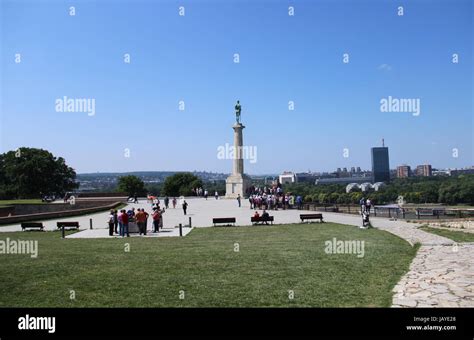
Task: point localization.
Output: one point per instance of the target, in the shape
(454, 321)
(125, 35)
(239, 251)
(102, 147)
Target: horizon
(400, 83)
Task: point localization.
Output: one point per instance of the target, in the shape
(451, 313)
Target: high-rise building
(358, 169)
(403, 171)
(424, 170)
(353, 170)
(380, 164)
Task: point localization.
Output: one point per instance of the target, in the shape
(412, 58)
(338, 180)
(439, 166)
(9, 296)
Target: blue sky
(282, 58)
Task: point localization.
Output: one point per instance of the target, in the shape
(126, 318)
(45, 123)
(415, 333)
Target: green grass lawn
(457, 236)
(22, 201)
(271, 262)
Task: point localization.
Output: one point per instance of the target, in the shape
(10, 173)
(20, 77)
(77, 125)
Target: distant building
(358, 169)
(341, 180)
(380, 164)
(424, 170)
(306, 177)
(466, 171)
(403, 171)
(287, 177)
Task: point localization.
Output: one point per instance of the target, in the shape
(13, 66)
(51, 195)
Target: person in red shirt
(156, 220)
(125, 224)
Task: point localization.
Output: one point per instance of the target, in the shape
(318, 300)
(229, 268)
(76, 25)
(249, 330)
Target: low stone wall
(27, 209)
(88, 209)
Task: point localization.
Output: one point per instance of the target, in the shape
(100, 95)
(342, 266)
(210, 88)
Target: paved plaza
(441, 275)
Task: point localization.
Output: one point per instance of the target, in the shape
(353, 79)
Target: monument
(237, 183)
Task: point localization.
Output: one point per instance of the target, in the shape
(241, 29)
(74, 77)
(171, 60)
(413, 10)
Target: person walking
(174, 202)
(185, 206)
(111, 223)
(238, 199)
(206, 194)
(167, 202)
(135, 198)
(216, 195)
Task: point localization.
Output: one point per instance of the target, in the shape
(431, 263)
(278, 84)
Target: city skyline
(303, 105)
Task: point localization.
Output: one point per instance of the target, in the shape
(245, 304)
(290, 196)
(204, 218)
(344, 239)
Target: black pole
(90, 222)
(180, 229)
(62, 232)
(190, 224)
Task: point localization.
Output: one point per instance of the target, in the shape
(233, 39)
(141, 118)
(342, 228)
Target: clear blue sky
(282, 58)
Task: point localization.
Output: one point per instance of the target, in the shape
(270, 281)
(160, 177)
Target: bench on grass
(72, 225)
(260, 219)
(224, 220)
(304, 217)
(32, 225)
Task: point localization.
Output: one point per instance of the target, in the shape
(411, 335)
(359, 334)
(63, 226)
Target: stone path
(439, 276)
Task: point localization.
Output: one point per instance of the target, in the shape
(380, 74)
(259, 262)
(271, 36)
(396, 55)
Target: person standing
(167, 202)
(206, 194)
(140, 217)
(135, 198)
(156, 220)
(362, 205)
(125, 224)
(368, 205)
(111, 223)
(120, 222)
(238, 199)
(115, 222)
(185, 206)
(174, 202)
(146, 220)
(216, 195)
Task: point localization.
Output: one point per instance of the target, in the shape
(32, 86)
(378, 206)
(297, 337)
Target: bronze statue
(237, 112)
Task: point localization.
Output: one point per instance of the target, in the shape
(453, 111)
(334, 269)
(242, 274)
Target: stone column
(237, 183)
(238, 168)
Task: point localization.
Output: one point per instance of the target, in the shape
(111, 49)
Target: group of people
(204, 193)
(275, 201)
(119, 221)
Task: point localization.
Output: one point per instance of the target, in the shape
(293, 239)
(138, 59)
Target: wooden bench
(32, 225)
(72, 225)
(260, 219)
(224, 220)
(304, 217)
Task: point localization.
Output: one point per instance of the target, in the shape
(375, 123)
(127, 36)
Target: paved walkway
(441, 275)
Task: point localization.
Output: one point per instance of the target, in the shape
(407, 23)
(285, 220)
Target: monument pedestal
(235, 185)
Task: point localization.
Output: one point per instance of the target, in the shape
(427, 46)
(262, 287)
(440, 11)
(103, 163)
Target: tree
(181, 184)
(132, 185)
(30, 173)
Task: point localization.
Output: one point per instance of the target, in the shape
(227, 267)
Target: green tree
(181, 184)
(30, 173)
(132, 185)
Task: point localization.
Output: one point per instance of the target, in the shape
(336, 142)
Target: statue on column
(237, 112)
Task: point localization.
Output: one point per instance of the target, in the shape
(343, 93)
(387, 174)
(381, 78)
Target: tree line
(417, 190)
